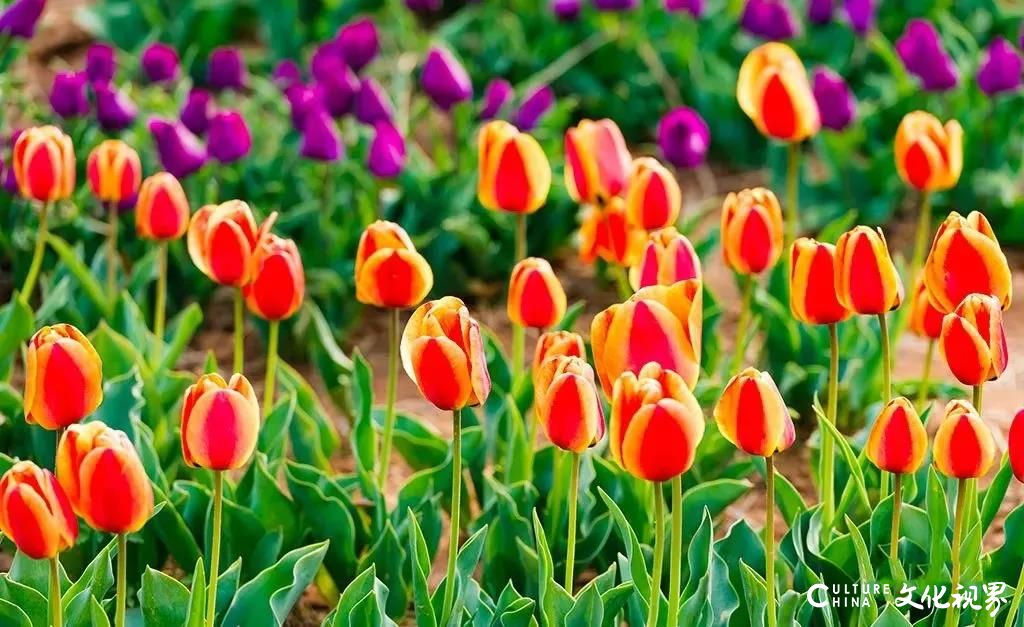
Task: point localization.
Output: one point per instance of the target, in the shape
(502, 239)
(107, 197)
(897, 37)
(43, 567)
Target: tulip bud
(656, 424)
(20, 17)
(684, 137)
(820, 11)
(386, 157)
(836, 104)
(535, 296)
(608, 233)
(327, 60)
(287, 74)
(973, 341)
(965, 259)
(100, 63)
(179, 150)
(597, 162)
(555, 343)
(566, 10)
(359, 43)
(225, 69)
(35, 513)
(115, 111)
(372, 103)
(321, 140)
(929, 156)
(660, 324)
(514, 174)
(444, 79)
(114, 171)
(534, 106)
(694, 7)
(424, 6)
(751, 230)
(567, 403)
(389, 271)
(278, 282)
(667, 259)
(752, 415)
(897, 442)
(769, 19)
(339, 90)
(812, 292)
(866, 278)
(103, 478)
(162, 210)
(63, 377)
(963, 446)
(497, 93)
(229, 138)
(220, 422)
(196, 112)
(615, 5)
(68, 97)
(773, 91)
(1000, 69)
(443, 353)
(861, 15)
(1015, 446)
(653, 199)
(921, 50)
(925, 320)
(44, 164)
(160, 63)
(222, 240)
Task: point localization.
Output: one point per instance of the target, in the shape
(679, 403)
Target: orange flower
(554, 343)
(752, 415)
(443, 353)
(897, 442)
(222, 240)
(114, 171)
(44, 164)
(963, 446)
(656, 424)
(567, 403)
(774, 92)
(1015, 446)
(751, 230)
(608, 233)
(535, 297)
(660, 324)
(929, 156)
(668, 258)
(597, 161)
(162, 211)
(514, 172)
(103, 478)
(965, 258)
(925, 319)
(973, 341)
(866, 278)
(63, 377)
(35, 512)
(812, 292)
(278, 282)
(389, 271)
(220, 422)
(653, 199)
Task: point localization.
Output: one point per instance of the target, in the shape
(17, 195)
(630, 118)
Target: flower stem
(792, 194)
(56, 610)
(268, 380)
(112, 251)
(769, 539)
(389, 416)
(897, 505)
(122, 579)
(622, 282)
(654, 604)
(518, 332)
(453, 536)
(239, 331)
(976, 397)
(676, 565)
(1015, 603)
(958, 523)
(926, 374)
(886, 359)
(828, 483)
(743, 322)
(37, 256)
(520, 237)
(574, 488)
(218, 502)
(160, 306)
(924, 227)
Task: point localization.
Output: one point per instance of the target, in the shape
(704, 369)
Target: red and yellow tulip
(114, 171)
(898, 441)
(514, 174)
(606, 232)
(222, 240)
(162, 210)
(1015, 446)
(389, 271)
(63, 377)
(597, 162)
(751, 230)
(866, 280)
(752, 415)
(973, 340)
(44, 164)
(963, 446)
(668, 258)
(220, 422)
(653, 198)
(278, 283)
(556, 343)
(929, 156)
(965, 258)
(925, 320)
(812, 293)
(535, 295)
(773, 90)
(567, 403)
(35, 513)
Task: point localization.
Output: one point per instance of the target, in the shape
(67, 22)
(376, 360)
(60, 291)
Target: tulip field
(517, 313)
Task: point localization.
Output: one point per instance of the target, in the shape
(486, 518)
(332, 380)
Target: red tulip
(553, 343)
(44, 164)
(278, 281)
(973, 341)
(222, 240)
(35, 513)
(567, 403)
(897, 442)
(812, 292)
(866, 278)
(162, 210)
(653, 199)
(1015, 446)
(668, 258)
(114, 171)
(752, 415)
(220, 422)
(963, 447)
(535, 296)
(63, 377)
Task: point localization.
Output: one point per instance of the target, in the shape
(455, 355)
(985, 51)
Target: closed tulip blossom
(965, 259)
(100, 63)
(751, 230)
(114, 171)
(35, 512)
(653, 198)
(372, 103)
(179, 150)
(514, 174)
(321, 140)
(115, 111)
(973, 340)
(535, 295)
(597, 162)
(63, 377)
(921, 50)
(861, 15)
(820, 11)
(769, 19)
(359, 42)
(554, 343)
(615, 5)
(694, 7)
(339, 91)
(162, 210)
(929, 155)
(812, 293)
(327, 60)
(287, 73)
(534, 106)
(389, 272)
(197, 110)
(160, 63)
(608, 233)
(496, 95)
(668, 258)
(68, 97)
(386, 158)
(1015, 446)
(20, 17)
(566, 10)
(229, 138)
(684, 138)
(963, 447)
(568, 405)
(424, 6)
(774, 92)
(1000, 70)
(44, 164)
(444, 79)
(836, 103)
(225, 69)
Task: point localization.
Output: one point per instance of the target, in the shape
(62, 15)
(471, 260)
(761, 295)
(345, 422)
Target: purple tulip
(1000, 69)
(229, 138)
(566, 10)
(820, 11)
(179, 150)
(68, 97)
(861, 14)
(10, 182)
(836, 103)
(320, 138)
(693, 7)
(286, 74)
(444, 79)
(372, 103)
(100, 63)
(359, 43)
(423, 6)
(496, 95)
(114, 109)
(920, 48)
(20, 17)
(225, 69)
(339, 91)
(195, 114)
(301, 98)
(326, 61)
(160, 63)
(684, 137)
(769, 19)
(614, 5)
(386, 157)
(533, 108)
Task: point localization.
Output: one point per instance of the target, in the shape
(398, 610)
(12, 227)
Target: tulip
(534, 106)
(668, 258)
(63, 377)
(372, 103)
(160, 63)
(820, 11)
(229, 138)
(684, 137)
(615, 5)
(836, 103)
(514, 174)
(921, 50)
(115, 173)
(424, 6)
(444, 79)
(301, 100)
(496, 95)
(19, 18)
(1000, 70)
(608, 233)
(557, 343)
(326, 61)
(653, 199)
(196, 112)
(179, 150)
(359, 43)
(861, 15)
(115, 111)
(225, 69)
(100, 63)
(287, 74)
(963, 448)
(535, 296)
(769, 19)
(973, 340)
(568, 405)
(10, 181)
(694, 7)
(68, 97)
(597, 162)
(387, 154)
(965, 259)
(566, 10)
(339, 91)
(1015, 451)
(751, 230)
(321, 140)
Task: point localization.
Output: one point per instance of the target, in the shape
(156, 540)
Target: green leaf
(555, 601)
(420, 572)
(17, 324)
(183, 328)
(163, 599)
(787, 497)
(866, 572)
(26, 598)
(891, 617)
(634, 554)
(88, 282)
(388, 554)
(755, 592)
(326, 513)
(97, 615)
(270, 596)
(995, 494)
(938, 521)
(588, 611)
(364, 437)
(715, 496)
(572, 314)
(96, 580)
(848, 455)
(273, 438)
(12, 615)
(195, 617)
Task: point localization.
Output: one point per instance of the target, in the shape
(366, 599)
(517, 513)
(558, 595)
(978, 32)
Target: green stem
(56, 610)
(958, 523)
(122, 579)
(976, 394)
(518, 350)
(574, 488)
(239, 331)
(622, 282)
(389, 416)
(897, 505)
(769, 538)
(520, 237)
(218, 502)
(654, 604)
(453, 126)
(37, 256)
(828, 482)
(1015, 604)
(792, 194)
(160, 306)
(926, 375)
(676, 565)
(112, 251)
(268, 379)
(886, 359)
(742, 324)
(453, 535)
(924, 227)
